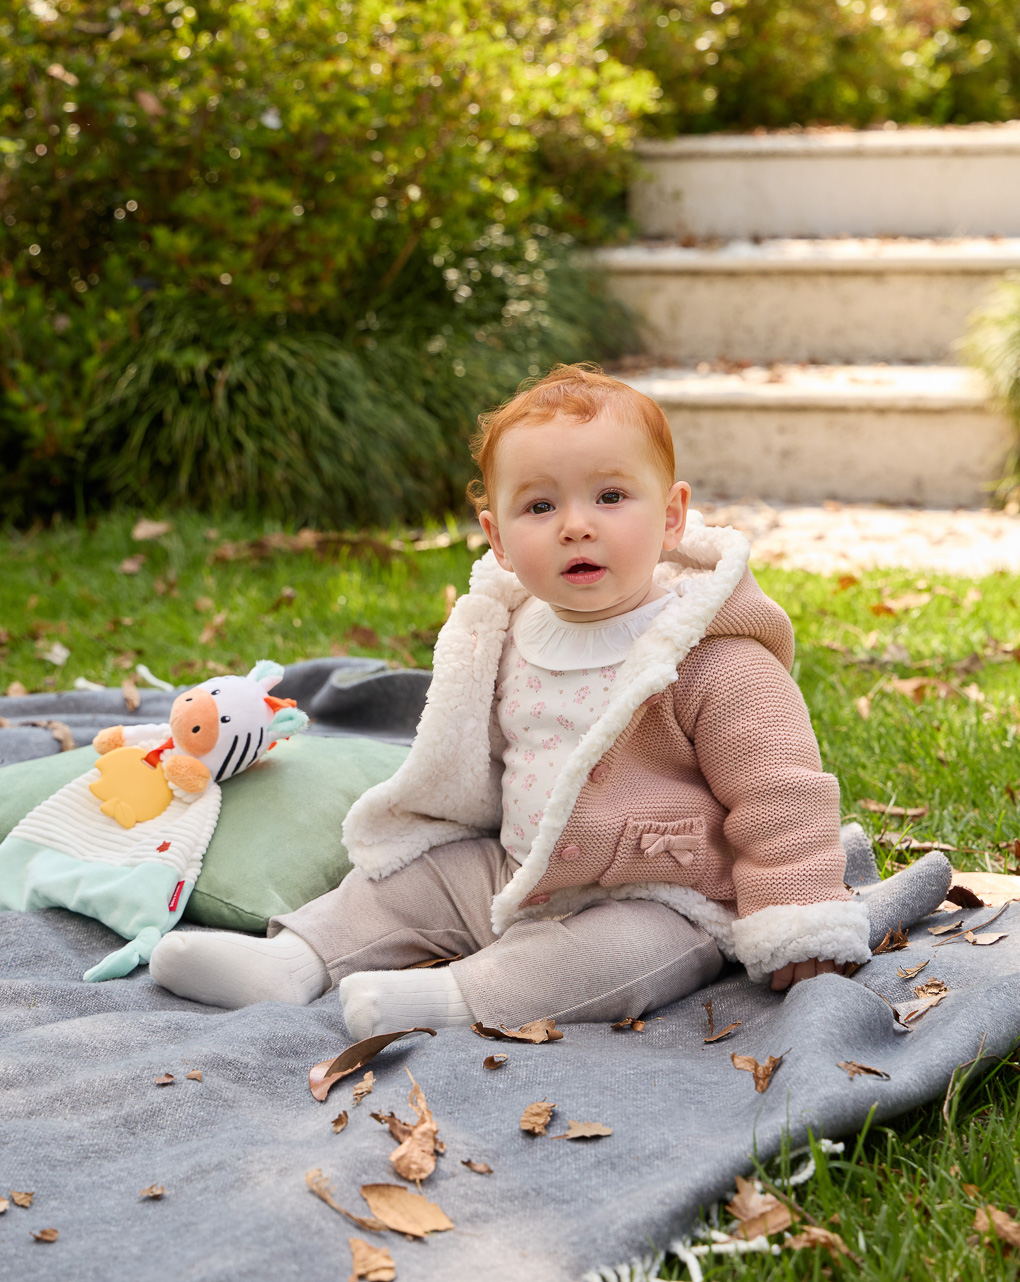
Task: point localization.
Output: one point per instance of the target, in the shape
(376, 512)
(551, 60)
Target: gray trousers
(619, 957)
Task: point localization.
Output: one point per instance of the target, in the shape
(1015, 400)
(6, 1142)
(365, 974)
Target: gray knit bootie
(904, 898)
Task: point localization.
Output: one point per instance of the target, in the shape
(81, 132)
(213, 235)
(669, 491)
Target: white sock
(381, 1001)
(222, 968)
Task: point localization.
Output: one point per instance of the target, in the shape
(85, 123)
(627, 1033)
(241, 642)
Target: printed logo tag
(176, 896)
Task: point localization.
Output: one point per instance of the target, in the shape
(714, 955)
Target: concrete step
(802, 434)
(903, 182)
(846, 300)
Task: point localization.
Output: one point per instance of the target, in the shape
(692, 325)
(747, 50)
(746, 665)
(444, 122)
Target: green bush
(750, 64)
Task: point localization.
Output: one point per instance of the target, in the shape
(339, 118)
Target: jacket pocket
(650, 851)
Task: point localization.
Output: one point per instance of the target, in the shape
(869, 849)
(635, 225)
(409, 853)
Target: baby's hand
(794, 972)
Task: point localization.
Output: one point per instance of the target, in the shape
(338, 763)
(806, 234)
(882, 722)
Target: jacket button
(652, 700)
(570, 852)
(599, 772)
(536, 899)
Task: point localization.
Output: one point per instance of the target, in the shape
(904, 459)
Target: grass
(899, 1192)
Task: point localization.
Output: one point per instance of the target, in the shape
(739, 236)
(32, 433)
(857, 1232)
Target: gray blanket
(86, 1128)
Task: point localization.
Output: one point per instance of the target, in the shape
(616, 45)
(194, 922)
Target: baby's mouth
(583, 572)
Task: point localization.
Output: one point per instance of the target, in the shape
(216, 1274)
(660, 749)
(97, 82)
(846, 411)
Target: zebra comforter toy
(124, 842)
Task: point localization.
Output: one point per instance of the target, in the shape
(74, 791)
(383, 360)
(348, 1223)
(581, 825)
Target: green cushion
(277, 843)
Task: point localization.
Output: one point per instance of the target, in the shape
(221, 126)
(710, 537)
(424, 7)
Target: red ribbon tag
(176, 896)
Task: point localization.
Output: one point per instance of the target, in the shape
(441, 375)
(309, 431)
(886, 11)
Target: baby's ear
(267, 673)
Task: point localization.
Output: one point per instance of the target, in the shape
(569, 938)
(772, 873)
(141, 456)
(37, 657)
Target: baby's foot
(381, 1001)
(908, 896)
(222, 968)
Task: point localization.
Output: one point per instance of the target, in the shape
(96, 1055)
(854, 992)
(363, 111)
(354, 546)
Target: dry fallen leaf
(632, 1022)
(4, 1204)
(154, 1191)
(481, 1168)
(195, 1075)
(535, 1117)
(985, 939)
(863, 706)
(56, 653)
(406, 1212)
(538, 1030)
(339, 1122)
(582, 1130)
(22, 1199)
(362, 635)
(132, 564)
(322, 1076)
(758, 1213)
(316, 1182)
(46, 1235)
(415, 1158)
(213, 628)
(494, 1061)
(146, 529)
(132, 699)
(908, 972)
(971, 1190)
(990, 1218)
(861, 1070)
(16, 690)
(165, 1080)
(944, 930)
(813, 1235)
(373, 1263)
(900, 812)
(723, 1032)
(894, 940)
(762, 1072)
(931, 988)
(364, 1087)
(964, 897)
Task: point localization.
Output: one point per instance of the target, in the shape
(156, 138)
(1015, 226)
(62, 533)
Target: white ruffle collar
(551, 643)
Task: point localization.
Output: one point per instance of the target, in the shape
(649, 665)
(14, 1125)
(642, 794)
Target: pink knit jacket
(701, 786)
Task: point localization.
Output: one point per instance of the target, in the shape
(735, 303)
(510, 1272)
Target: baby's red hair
(582, 392)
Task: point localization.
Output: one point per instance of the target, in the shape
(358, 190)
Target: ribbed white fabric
(228, 969)
(381, 1001)
(551, 642)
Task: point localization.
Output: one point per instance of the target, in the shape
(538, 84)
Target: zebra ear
(267, 673)
(286, 722)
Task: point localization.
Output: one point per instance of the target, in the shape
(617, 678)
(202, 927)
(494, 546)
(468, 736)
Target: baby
(613, 698)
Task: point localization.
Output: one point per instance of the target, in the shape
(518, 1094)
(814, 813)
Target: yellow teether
(129, 788)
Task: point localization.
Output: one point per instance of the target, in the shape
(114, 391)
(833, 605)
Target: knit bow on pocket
(681, 848)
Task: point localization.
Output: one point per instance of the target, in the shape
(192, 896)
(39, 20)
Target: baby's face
(580, 512)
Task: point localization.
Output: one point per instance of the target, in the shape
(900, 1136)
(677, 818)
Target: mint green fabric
(277, 844)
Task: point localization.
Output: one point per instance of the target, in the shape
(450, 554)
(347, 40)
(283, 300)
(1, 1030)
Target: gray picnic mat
(86, 1128)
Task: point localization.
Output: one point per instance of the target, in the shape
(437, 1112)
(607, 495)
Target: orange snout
(194, 721)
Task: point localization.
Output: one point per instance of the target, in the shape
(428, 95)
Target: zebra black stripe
(226, 762)
(240, 759)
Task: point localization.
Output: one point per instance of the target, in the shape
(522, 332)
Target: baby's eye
(540, 508)
(610, 496)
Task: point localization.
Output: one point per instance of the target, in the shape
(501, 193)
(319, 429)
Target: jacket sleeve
(758, 754)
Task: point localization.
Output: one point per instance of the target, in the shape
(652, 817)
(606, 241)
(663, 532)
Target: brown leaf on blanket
(853, 1069)
(316, 1182)
(535, 1118)
(154, 1191)
(762, 1073)
(4, 1204)
(944, 930)
(132, 699)
(900, 812)
(538, 1030)
(894, 940)
(46, 1235)
(322, 1076)
(406, 1212)
(373, 1263)
(711, 1017)
(964, 898)
(480, 1168)
(494, 1061)
(908, 972)
(415, 1158)
(165, 1080)
(22, 1199)
(195, 1075)
(635, 1025)
(988, 938)
(758, 1213)
(813, 1236)
(582, 1131)
(398, 1129)
(340, 1121)
(723, 1032)
(931, 988)
(364, 1087)
(990, 1219)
